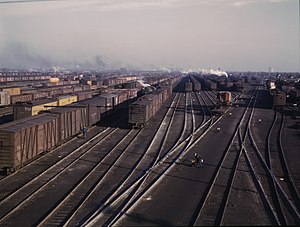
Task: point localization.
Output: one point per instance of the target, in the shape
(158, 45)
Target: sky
(232, 35)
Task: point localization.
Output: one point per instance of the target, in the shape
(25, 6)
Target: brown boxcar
(21, 98)
(12, 90)
(40, 95)
(67, 90)
(93, 87)
(93, 110)
(279, 99)
(146, 106)
(71, 121)
(84, 95)
(24, 139)
(27, 90)
(108, 101)
(122, 96)
(30, 109)
(77, 89)
(139, 113)
(188, 86)
(197, 86)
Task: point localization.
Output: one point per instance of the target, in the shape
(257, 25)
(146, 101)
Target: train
(196, 84)
(224, 98)
(188, 86)
(14, 95)
(24, 139)
(21, 141)
(142, 110)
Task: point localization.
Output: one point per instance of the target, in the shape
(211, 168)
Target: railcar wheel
(9, 170)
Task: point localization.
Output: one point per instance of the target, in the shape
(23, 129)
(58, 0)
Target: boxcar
(67, 99)
(40, 95)
(24, 139)
(197, 86)
(33, 108)
(188, 86)
(224, 97)
(13, 90)
(146, 106)
(82, 95)
(108, 101)
(139, 113)
(27, 90)
(71, 121)
(4, 98)
(92, 108)
(279, 99)
(21, 98)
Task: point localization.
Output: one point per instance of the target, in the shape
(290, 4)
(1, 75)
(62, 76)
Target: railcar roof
(27, 122)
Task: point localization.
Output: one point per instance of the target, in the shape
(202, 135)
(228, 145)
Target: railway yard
(133, 166)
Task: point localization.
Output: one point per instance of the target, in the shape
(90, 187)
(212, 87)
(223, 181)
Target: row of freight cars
(141, 111)
(192, 84)
(15, 77)
(24, 139)
(7, 100)
(214, 83)
(10, 96)
(28, 109)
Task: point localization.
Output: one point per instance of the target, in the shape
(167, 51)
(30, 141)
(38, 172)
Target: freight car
(224, 98)
(196, 84)
(9, 77)
(72, 119)
(188, 86)
(32, 108)
(210, 85)
(23, 110)
(146, 106)
(279, 99)
(4, 98)
(23, 140)
(12, 90)
(21, 98)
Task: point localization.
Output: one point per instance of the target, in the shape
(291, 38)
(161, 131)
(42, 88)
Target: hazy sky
(228, 34)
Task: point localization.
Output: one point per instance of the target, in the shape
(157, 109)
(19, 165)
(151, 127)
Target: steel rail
(117, 194)
(200, 209)
(48, 179)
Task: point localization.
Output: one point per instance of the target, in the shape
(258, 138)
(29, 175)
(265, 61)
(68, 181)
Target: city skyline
(249, 35)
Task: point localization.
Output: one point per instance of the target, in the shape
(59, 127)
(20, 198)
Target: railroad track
(285, 195)
(18, 198)
(212, 207)
(119, 198)
(220, 213)
(135, 191)
(142, 175)
(159, 172)
(10, 211)
(269, 160)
